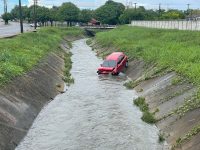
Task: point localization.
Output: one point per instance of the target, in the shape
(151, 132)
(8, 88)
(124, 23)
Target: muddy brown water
(96, 113)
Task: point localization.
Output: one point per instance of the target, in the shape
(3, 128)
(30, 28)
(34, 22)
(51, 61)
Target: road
(96, 113)
(12, 29)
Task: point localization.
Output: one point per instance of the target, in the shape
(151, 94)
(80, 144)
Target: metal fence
(175, 24)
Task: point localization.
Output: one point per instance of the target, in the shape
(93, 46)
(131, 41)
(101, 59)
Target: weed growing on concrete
(140, 102)
(140, 90)
(161, 137)
(131, 84)
(175, 94)
(165, 116)
(89, 41)
(176, 80)
(187, 106)
(156, 71)
(69, 44)
(147, 117)
(68, 65)
(187, 136)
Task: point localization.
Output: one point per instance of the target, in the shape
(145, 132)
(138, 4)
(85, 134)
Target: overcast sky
(93, 4)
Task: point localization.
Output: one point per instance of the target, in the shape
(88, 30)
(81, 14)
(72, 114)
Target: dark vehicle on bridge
(114, 64)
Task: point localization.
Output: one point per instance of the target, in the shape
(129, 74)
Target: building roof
(94, 21)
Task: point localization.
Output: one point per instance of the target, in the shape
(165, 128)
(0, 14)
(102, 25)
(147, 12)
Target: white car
(33, 25)
(77, 25)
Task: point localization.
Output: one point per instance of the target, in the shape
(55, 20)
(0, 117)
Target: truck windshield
(109, 63)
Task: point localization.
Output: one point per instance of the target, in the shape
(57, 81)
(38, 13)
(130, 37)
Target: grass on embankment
(174, 49)
(20, 54)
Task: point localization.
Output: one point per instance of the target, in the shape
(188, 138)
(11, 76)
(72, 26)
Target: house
(193, 18)
(194, 15)
(94, 22)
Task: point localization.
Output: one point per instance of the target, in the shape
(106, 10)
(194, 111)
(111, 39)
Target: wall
(176, 24)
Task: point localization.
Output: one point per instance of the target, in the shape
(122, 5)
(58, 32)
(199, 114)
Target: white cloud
(79, 3)
(30, 2)
(149, 4)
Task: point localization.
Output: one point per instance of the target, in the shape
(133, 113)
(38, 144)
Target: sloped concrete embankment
(23, 98)
(167, 96)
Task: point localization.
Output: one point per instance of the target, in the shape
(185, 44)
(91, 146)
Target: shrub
(140, 102)
(130, 84)
(161, 137)
(147, 116)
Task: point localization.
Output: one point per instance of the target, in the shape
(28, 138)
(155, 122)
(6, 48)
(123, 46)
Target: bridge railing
(100, 27)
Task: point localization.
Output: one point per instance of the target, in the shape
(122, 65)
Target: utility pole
(188, 9)
(5, 6)
(159, 6)
(188, 6)
(135, 6)
(20, 15)
(35, 13)
(5, 10)
(159, 9)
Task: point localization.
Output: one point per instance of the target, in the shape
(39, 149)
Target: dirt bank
(23, 98)
(166, 94)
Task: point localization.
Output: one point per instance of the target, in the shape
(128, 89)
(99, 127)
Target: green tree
(69, 12)
(110, 12)
(142, 14)
(42, 15)
(31, 10)
(86, 15)
(6, 17)
(53, 14)
(25, 12)
(127, 16)
(151, 14)
(133, 14)
(173, 14)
